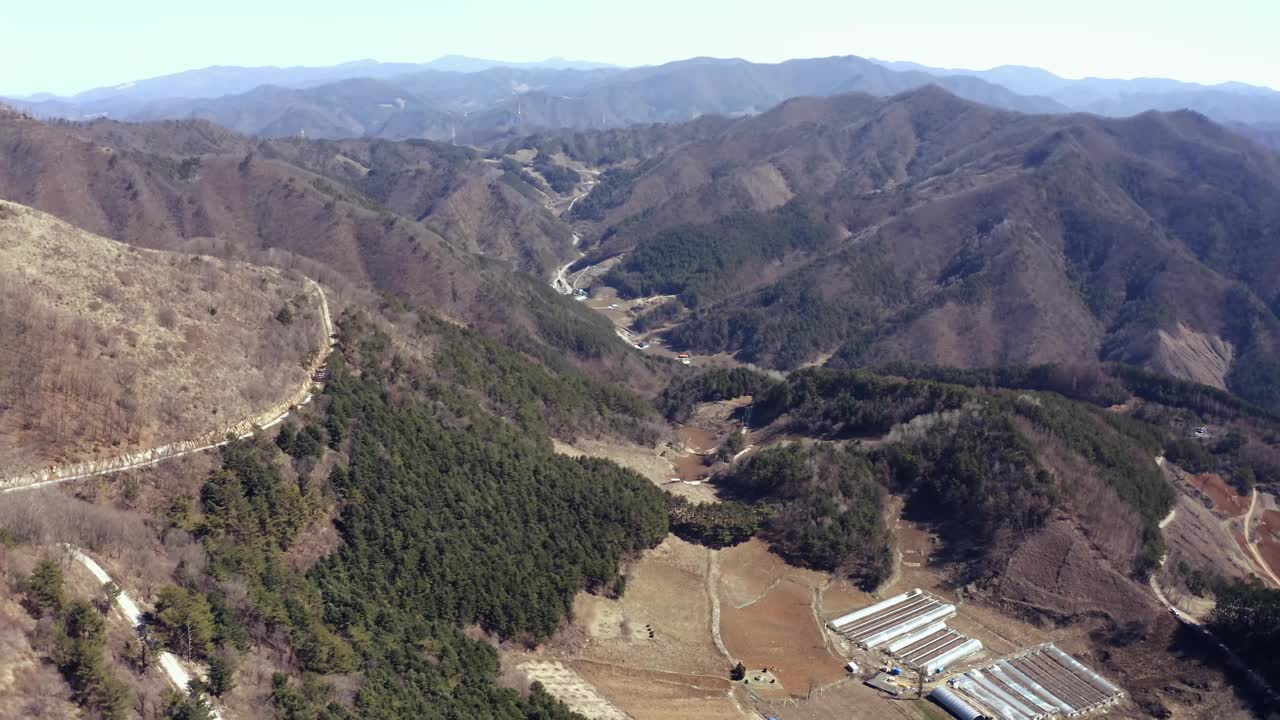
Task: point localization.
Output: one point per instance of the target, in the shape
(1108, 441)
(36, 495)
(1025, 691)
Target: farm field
(664, 650)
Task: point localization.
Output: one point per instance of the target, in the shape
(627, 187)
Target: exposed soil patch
(651, 653)
(779, 632)
(666, 594)
(571, 688)
(1201, 540)
(646, 695)
(772, 614)
(696, 439)
(659, 464)
(690, 467)
(850, 700)
(1223, 496)
(1057, 573)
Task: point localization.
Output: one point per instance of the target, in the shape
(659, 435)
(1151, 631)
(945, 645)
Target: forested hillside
(453, 512)
(986, 462)
(1248, 617)
(826, 509)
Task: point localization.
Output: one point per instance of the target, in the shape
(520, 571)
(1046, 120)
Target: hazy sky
(65, 46)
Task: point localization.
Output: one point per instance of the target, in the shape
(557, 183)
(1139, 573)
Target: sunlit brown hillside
(110, 348)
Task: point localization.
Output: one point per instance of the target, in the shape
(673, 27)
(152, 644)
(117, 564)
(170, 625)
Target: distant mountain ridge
(220, 80)
(455, 99)
(476, 101)
(1228, 103)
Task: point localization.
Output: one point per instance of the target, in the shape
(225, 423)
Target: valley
(713, 389)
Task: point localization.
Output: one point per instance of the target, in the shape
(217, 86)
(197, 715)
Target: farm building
(892, 619)
(933, 648)
(955, 705)
(1041, 683)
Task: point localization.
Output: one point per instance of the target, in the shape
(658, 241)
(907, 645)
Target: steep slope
(963, 235)
(450, 189)
(110, 349)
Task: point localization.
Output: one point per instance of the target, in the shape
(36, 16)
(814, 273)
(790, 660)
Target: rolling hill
(434, 225)
(191, 185)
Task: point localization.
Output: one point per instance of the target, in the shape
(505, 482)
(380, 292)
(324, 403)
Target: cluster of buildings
(1038, 684)
(910, 628)
(1041, 683)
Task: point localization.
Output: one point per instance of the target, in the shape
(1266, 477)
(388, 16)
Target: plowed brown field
(1224, 497)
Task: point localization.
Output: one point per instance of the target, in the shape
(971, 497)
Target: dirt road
(1251, 544)
(154, 456)
(172, 667)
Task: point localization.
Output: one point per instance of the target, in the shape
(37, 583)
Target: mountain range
(879, 329)
(1229, 103)
(928, 228)
(394, 102)
(475, 101)
(434, 224)
(851, 229)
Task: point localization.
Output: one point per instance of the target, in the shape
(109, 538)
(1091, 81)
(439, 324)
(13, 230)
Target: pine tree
(221, 676)
(187, 621)
(44, 587)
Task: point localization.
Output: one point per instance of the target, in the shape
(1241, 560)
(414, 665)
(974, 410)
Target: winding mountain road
(159, 455)
(169, 662)
(1197, 623)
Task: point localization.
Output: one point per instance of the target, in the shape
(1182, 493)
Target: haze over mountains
(470, 100)
(883, 328)
(1230, 102)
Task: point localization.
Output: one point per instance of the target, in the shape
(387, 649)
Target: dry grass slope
(108, 348)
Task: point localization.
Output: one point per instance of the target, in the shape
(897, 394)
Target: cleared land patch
(572, 689)
(1224, 497)
(651, 652)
